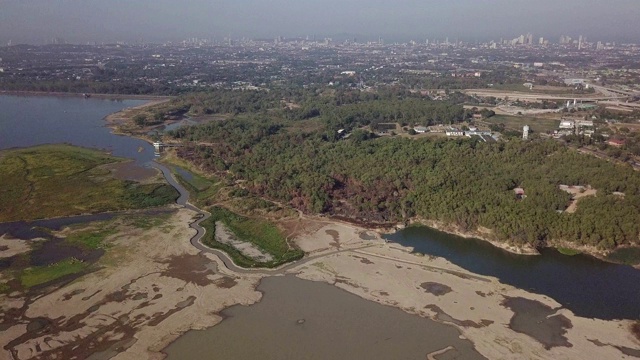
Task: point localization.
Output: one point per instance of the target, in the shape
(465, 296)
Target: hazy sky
(38, 21)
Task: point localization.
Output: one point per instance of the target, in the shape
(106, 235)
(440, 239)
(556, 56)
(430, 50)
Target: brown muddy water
(300, 319)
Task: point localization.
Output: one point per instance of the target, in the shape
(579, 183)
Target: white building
(567, 124)
(525, 132)
(584, 123)
(574, 82)
(420, 129)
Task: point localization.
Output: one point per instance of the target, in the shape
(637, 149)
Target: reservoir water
(300, 319)
(35, 120)
(587, 286)
(584, 284)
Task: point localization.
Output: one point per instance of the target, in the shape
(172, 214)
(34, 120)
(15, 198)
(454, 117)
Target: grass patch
(568, 251)
(147, 222)
(306, 126)
(63, 180)
(4, 288)
(43, 274)
(516, 123)
(261, 233)
(627, 256)
(90, 239)
(200, 188)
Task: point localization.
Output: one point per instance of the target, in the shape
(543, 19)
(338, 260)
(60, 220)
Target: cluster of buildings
(574, 127)
(452, 131)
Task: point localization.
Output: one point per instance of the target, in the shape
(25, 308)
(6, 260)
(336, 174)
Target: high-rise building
(529, 39)
(580, 42)
(565, 40)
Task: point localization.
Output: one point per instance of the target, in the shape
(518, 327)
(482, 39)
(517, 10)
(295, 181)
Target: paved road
(535, 96)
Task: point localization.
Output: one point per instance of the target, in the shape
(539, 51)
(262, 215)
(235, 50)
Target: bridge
(158, 146)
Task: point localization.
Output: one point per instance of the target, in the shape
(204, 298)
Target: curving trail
(200, 231)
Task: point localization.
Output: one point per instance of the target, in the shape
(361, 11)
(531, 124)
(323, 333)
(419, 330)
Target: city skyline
(39, 21)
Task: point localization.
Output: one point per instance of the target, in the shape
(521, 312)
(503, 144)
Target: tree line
(464, 181)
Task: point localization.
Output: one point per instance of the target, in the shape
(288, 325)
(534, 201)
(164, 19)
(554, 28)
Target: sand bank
(433, 287)
(156, 286)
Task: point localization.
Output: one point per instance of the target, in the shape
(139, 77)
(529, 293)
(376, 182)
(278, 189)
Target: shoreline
(91, 95)
(344, 260)
(388, 228)
(451, 229)
(340, 256)
(397, 283)
(158, 277)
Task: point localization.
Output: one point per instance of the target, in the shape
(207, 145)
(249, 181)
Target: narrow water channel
(587, 286)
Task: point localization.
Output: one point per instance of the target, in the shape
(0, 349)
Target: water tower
(525, 132)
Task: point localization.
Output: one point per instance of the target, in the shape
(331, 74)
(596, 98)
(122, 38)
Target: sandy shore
(121, 117)
(435, 288)
(12, 247)
(154, 286)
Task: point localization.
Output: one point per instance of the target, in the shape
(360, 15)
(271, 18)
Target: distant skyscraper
(580, 43)
(565, 39)
(529, 39)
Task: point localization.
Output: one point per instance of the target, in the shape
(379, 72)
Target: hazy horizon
(38, 21)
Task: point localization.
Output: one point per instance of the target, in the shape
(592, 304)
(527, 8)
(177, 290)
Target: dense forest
(464, 182)
(338, 109)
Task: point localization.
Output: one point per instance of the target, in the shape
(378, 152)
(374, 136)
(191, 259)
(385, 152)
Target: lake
(584, 284)
(587, 286)
(301, 319)
(34, 120)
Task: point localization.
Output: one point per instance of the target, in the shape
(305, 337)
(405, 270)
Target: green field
(201, 189)
(516, 123)
(43, 274)
(262, 233)
(90, 239)
(628, 256)
(62, 180)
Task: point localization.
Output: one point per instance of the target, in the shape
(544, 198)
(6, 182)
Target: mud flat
(502, 321)
(155, 287)
(498, 320)
(152, 287)
(298, 319)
